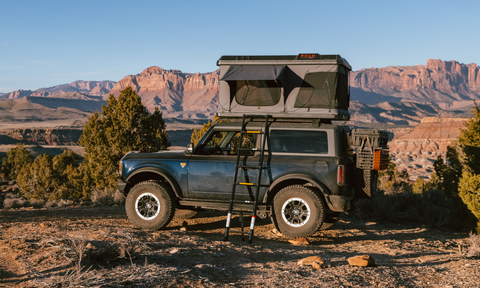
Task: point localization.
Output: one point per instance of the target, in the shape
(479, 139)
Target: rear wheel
(298, 211)
(150, 205)
(365, 183)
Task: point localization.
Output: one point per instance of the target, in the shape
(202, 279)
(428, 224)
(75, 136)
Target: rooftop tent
(255, 85)
(291, 86)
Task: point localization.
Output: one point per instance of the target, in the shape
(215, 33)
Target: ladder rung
(251, 184)
(246, 184)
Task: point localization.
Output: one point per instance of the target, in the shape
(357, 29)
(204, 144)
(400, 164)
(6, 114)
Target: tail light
(341, 172)
(380, 160)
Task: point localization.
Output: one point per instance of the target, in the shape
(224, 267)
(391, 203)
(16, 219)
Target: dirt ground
(41, 247)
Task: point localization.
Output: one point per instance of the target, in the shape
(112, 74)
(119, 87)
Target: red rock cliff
(439, 81)
(177, 94)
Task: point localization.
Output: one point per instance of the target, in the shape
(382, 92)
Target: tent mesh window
(257, 92)
(317, 91)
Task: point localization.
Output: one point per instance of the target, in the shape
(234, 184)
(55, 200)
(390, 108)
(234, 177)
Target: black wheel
(150, 205)
(298, 211)
(330, 220)
(365, 183)
(184, 214)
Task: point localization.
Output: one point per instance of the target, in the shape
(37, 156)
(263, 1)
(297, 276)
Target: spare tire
(365, 183)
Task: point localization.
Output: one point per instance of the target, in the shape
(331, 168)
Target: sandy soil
(39, 247)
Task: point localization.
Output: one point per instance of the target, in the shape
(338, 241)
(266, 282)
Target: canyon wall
(416, 150)
(178, 95)
(447, 83)
(92, 88)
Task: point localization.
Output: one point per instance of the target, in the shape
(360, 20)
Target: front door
(211, 169)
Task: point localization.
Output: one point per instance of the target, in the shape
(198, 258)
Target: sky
(48, 43)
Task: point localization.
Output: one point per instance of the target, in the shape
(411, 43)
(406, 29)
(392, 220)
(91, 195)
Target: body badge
(183, 165)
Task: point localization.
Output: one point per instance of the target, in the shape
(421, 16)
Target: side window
(226, 143)
(299, 141)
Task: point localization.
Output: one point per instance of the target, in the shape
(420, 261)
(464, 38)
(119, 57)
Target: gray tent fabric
(284, 86)
(271, 72)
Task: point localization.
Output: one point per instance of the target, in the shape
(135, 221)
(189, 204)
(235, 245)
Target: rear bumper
(338, 203)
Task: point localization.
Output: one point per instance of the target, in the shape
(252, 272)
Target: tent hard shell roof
(297, 86)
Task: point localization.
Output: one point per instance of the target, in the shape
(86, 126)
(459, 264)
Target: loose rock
(299, 241)
(315, 261)
(362, 261)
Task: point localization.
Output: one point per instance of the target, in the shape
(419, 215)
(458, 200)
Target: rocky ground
(96, 246)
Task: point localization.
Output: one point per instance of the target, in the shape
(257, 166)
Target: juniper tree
(469, 185)
(17, 158)
(124, 125)
(197, 134)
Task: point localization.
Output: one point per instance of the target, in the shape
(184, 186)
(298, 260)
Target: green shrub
(418, 186)
(392, 180)
(38, 180)
(469, 191)
(197, 134)
(50, 178)
(469, 185)
(17, 158)
(449, 174)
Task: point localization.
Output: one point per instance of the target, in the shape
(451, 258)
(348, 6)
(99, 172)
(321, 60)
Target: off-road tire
(184, 214)
(365, 183)
(150, 205)
(298, 211)
(330, 220)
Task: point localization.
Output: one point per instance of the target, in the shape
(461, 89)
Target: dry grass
(107, 196)
(90, 257)
(474, 249)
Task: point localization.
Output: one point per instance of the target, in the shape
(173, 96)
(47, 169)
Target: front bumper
(121, 185)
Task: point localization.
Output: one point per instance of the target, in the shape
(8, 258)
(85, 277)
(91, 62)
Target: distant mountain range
(400, 95)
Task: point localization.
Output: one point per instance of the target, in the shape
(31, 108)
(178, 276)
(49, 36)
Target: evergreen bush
(124, 125)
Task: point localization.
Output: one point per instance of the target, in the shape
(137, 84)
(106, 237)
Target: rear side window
(299, 141)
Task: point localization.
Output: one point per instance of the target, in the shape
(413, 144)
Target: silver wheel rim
(147, 206)
(296, 212)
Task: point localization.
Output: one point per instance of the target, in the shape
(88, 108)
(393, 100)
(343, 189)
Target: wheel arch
(294, 179)
(156, 174)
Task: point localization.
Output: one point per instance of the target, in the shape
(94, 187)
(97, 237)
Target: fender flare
(296, 176)
(161, 172)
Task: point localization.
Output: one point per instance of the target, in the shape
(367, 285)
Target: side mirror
(190, 148)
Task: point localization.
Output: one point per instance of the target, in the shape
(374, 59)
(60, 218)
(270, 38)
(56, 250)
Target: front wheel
(298, 211)
(150, 205)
